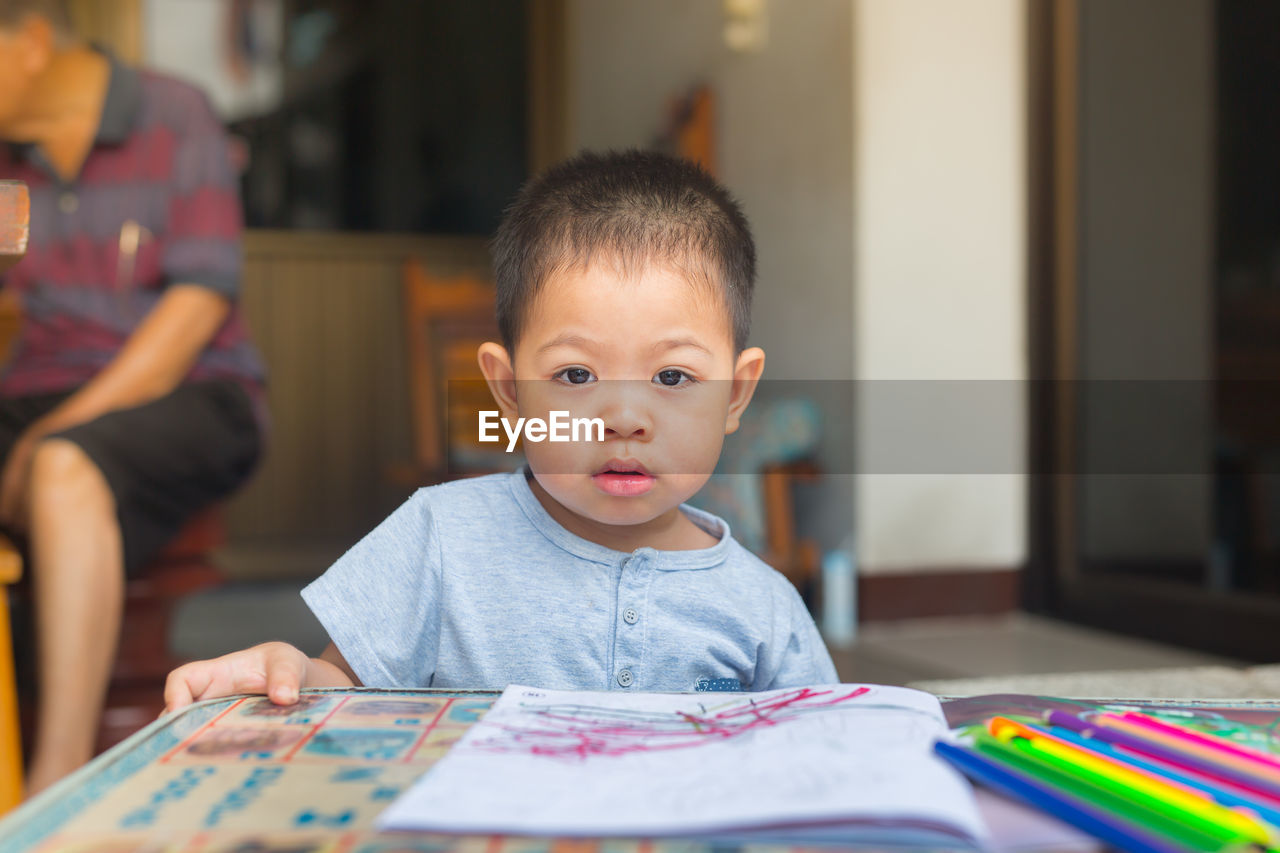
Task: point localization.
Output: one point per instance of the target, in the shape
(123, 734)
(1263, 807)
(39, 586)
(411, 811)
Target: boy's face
(652, 356)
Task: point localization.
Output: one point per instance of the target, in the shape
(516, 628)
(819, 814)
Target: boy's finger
(283, 666)
(176, 692)
(178, 689)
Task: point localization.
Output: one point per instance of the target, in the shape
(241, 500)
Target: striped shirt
(155, 204)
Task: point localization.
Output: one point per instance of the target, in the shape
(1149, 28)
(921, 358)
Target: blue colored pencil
(1173, 774)
(1085, 816)
(1254, 783)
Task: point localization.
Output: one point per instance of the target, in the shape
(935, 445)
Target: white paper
(546, 762)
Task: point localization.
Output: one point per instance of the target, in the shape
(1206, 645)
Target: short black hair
(56, 12)
(630, 208)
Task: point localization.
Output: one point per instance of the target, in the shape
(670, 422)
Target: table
(240, 774)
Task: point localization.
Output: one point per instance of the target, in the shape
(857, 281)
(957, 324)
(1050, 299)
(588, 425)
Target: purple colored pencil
(1254, 783)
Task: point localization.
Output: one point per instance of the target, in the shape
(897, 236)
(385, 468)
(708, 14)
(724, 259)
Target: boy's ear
(495, 364)
(746, 376)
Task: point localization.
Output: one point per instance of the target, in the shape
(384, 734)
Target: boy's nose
(625, 428)
(625, 415)
(626, 422)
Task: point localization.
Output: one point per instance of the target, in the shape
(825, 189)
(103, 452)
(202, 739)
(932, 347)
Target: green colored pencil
(1148, 818)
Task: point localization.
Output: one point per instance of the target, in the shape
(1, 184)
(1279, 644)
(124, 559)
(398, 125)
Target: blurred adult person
(132, 397)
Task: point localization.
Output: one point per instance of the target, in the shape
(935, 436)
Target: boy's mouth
(623, 478)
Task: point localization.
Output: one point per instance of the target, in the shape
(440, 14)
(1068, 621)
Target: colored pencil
(1157, 806)
(1175, 803)
(1186, 745)
(1268, 762)
(1227, 795)
(1137, 814)
(1080, 814)
(1250, 782)
(1143, 779)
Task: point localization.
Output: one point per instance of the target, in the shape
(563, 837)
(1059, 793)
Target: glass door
(1155, 281)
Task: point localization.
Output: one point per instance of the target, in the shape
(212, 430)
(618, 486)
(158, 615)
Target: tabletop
(241, 774)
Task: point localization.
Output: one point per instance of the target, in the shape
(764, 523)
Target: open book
(839, 763)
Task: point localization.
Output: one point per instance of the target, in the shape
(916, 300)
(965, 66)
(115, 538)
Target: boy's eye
(672, 378)
(574, 376)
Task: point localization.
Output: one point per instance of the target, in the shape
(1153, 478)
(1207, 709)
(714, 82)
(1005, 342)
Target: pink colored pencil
(1181, 744)
(1213, 741)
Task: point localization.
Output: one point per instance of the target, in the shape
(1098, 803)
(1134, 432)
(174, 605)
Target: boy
(624, 288)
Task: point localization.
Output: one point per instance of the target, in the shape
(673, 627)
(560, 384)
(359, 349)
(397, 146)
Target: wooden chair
(445, 320)
(798, 559)
(15, 219)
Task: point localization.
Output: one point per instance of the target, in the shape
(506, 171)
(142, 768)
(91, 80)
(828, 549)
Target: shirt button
(68, 202)
(625, 678)
(630, 616)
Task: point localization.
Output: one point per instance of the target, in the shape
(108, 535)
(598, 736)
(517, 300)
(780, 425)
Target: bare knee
(63, 474)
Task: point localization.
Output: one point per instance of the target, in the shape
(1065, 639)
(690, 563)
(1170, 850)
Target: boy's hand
(277, 669)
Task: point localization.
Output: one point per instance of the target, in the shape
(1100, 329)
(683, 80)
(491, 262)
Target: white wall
(940, 295)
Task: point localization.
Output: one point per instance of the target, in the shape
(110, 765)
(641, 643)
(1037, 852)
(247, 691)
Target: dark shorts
(164, 460)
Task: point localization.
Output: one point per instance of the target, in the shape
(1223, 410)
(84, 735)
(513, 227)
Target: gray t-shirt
(471, 584)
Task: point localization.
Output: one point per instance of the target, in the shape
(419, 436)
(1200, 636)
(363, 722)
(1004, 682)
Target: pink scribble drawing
(577, 732)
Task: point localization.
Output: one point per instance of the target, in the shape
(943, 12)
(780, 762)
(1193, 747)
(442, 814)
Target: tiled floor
(1014, 645)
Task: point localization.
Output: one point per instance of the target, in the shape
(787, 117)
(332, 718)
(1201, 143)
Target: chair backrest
(446, 319)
